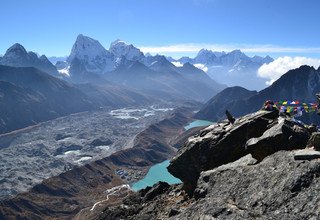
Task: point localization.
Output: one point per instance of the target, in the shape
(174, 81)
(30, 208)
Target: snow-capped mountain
(92, 55)
(159, 63)
(17, 56)
(233, 69)
(205, 57)
(120, 48)
(90, 60)
(234, 58)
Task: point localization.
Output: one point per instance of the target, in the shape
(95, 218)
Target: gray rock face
(277, 188)
(284, 135)
(217, 145)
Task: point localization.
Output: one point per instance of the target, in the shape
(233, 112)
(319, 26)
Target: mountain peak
(17, 56)
(205, 52)
(188, 65)
(86, 48)
(84, 42)
(120, 48)
(16, 49)
(117, 42)
(205, 56)
(91, 54)
(236, 51)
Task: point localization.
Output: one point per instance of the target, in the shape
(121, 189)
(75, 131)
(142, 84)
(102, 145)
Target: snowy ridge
(120, 48)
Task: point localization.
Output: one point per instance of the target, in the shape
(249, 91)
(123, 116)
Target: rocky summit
(263, 166)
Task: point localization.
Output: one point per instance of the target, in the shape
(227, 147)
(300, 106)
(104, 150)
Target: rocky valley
(64, 195)
(33, 154)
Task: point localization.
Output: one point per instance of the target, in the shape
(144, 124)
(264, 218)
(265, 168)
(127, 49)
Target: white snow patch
(104, 147)
(83, 159)
(136, 114)
(72, 152)
(65, 71)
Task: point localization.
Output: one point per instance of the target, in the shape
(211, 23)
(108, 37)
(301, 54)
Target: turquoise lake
(156, 173)
(198, 123)
(159, 171)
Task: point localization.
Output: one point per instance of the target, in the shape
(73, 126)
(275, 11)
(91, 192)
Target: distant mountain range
(298, 84)
(126, 65)
(90, 62)
(233, 68)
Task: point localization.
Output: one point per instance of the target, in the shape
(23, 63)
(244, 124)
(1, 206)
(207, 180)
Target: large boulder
(285, 134)
(279, 187)
(216, 145)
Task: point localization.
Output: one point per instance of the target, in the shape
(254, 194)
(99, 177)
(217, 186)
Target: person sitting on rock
(269, 105)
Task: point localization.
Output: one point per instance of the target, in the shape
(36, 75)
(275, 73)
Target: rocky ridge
(256, 168)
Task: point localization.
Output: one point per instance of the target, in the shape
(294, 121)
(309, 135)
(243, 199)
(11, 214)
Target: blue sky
(172, 27)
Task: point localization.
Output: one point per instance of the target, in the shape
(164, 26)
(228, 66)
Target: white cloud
(191, 47)
(177, 64)
(201, 66)
(281, 65)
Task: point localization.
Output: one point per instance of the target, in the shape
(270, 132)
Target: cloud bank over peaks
(197, 65)
(281, 65)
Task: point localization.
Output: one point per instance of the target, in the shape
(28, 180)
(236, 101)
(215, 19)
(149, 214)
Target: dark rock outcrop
(286, 134)
(277, 188)
(217, 145)
(260, 134)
